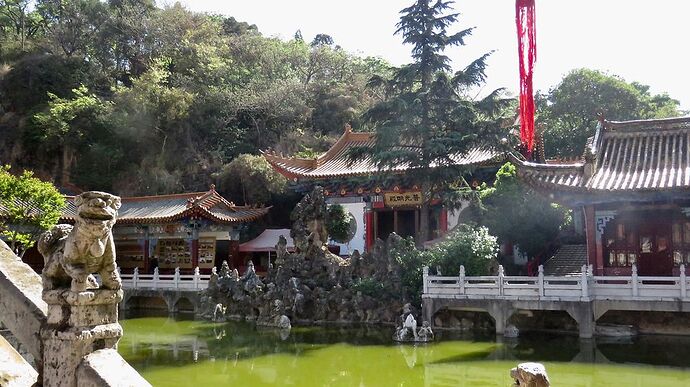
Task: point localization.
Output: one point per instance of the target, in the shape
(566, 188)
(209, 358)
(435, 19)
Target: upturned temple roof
(170, 208)
(335, 162)
(625, 156)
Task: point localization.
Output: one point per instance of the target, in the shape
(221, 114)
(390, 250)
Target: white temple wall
(454, 215)
(355, 205)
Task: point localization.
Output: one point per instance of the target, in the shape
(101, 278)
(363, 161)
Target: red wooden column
(195, 251)
(590, 232)
(443, 221)
(147, 255)
(195, 243)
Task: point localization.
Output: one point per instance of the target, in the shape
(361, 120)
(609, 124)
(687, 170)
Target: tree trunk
(423, 232)
(67, 160)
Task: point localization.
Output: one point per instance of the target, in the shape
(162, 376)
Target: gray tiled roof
(629, 156)
(166, 208)
(335, 161)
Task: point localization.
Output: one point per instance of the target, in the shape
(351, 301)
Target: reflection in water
(168, 352)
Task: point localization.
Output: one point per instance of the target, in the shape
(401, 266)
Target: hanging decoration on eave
(527, 53)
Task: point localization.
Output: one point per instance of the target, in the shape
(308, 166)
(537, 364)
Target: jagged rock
(511, 331)
(530, 375)
(312, 284)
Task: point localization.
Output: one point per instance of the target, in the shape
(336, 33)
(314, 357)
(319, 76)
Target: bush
(368, 286)
(472, 247)
(517, 214)
(250, 179)
(339, 224)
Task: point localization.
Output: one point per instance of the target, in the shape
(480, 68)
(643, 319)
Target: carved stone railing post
(501, 279)
(79, 323)
(540, 279)
(683, 282)
(425, 280)
(81, 331)
(196, 278)
(461, 280)
(177, 278)
(135, 278)
(155, 278)
(584, 282)
(634, 281)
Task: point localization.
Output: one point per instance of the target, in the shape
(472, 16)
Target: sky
(638, 40)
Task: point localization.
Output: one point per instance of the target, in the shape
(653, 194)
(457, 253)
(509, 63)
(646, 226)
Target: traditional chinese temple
(633, 189)
(379, 205)
(187, 230)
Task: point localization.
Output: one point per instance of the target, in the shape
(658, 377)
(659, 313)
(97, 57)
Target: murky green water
(196, 353)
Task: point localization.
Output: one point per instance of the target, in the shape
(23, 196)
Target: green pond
(179, 352)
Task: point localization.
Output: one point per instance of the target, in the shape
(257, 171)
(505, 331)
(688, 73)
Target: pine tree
(427, 120)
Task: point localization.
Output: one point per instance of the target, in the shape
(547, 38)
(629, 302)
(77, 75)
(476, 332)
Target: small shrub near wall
(469, 246)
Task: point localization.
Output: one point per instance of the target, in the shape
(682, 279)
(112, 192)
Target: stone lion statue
(73, 253)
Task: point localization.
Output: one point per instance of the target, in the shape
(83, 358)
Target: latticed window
(621, 242)
(681, 242)
(626, 238)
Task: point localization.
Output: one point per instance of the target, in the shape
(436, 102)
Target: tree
(339, 224)
(470, 246)
(427, 120)
(568, 112)
(251, 179)
(72, 26)
(322, 40)
(28, 207)
(69, 121)
(18, 20)
(516, 214)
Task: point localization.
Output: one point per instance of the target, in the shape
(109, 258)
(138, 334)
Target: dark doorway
(406, 223)
(655, 249)
(384, 224)
(222, 253)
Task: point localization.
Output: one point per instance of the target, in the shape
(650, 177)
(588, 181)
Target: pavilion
(633, 189)
(379, 206)
(186, 230)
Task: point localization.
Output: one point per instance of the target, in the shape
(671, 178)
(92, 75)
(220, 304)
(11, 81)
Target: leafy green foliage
(469, 246)
(181, 93)
(427, 119)
(368, 286)
(251, 177)
(411, 261)
(28, 207)
(70, 124)
(339, 223)
(568, 113)
(516, 214)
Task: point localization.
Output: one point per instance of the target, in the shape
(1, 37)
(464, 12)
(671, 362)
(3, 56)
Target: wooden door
(655, 249)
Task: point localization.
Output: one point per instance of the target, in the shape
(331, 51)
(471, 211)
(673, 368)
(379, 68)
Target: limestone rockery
(312, 285)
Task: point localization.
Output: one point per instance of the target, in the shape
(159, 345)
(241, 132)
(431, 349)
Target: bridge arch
(184, 304)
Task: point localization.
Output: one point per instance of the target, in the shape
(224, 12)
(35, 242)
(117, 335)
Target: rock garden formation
(313, 285)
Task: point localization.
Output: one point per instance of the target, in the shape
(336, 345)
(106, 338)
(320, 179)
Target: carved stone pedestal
(78, 324)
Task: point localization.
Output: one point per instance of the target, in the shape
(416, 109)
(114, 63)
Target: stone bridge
(172, 300)
(172, 292)
(585, 297)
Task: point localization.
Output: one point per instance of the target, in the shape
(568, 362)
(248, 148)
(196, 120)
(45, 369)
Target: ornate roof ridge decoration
(648, 124)
(624, 157)
(335, 163)
(174, 207)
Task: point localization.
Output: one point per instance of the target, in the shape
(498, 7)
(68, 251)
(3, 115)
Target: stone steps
(567, 261)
